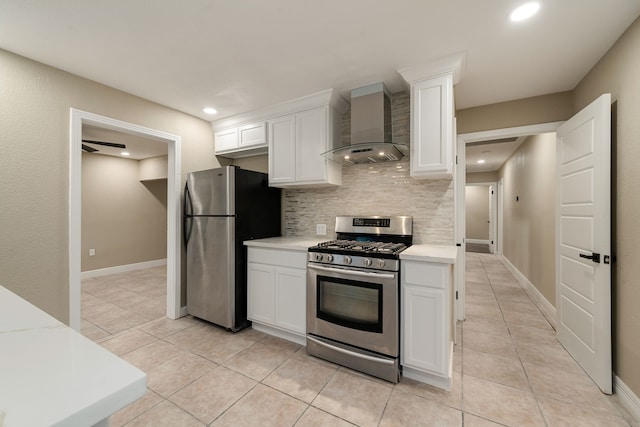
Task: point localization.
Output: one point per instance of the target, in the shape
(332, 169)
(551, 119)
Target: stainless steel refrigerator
(222, 208)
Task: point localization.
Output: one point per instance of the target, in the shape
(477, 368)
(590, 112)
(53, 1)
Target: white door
(583, 245)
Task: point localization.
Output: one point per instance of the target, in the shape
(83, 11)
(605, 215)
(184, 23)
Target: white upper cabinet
(432, 117)
(312, 127)
(297, 141)
(252, 135)
(242, 141)
(226, 140)
(432, 128)
(282, 156)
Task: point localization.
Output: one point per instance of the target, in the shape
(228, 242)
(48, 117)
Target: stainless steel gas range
(353, 294)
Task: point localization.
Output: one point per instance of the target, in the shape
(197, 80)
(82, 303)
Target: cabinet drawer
(286, 258)
(425, 274)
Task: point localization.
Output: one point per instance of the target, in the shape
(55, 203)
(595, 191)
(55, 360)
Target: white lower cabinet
(291, 299)
(426, 332)
(277, 291)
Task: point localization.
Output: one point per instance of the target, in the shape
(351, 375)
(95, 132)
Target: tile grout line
(526, 374)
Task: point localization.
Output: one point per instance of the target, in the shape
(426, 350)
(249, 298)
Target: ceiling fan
(89, 149)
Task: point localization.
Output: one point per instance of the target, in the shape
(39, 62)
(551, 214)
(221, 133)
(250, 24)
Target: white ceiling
(241, 55)
(138, 147)
(494, 153)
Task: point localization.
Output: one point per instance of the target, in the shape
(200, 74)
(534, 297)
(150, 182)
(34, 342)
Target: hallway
(515, 372)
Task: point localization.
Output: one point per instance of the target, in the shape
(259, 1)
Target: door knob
(595, 257)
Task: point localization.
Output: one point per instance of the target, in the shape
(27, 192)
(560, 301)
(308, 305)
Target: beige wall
(476, 177)
(34, 182)
(529, 111)
(153, 168)
(123, 219)
(529, 199)
(618, 73)
(254, 163)
(477, 212)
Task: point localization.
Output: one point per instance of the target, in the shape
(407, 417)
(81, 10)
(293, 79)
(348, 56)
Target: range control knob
(318, 257)
(380, 263)
(347, 259)
(366, 262)
(329, 258)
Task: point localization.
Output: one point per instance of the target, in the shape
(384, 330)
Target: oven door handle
(351, 353)
(353, 272)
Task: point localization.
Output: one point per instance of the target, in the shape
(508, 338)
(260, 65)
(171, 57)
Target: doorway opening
(78, 119)
(477, 140)
(481, 217)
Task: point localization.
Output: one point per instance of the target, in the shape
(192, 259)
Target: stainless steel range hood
(370, 129)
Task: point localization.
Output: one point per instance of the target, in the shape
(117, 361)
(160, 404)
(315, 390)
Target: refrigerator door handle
(188, 204)
(186, 232)
(188, 210)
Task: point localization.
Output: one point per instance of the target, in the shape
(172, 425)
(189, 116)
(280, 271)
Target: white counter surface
(430, 253)
(50, 375)
(291, 243)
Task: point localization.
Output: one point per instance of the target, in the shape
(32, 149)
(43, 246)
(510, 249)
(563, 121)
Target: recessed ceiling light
(524, 11)
(381, 153)
(125, 153)
(346, 157)
(480, 161)
(209, 110)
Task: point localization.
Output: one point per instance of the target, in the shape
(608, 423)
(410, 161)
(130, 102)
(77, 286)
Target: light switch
(321, 229)
(92, 252)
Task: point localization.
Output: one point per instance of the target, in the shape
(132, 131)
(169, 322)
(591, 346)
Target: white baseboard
(478, 241)
(627, 398)
(547, 309)
(122, 268)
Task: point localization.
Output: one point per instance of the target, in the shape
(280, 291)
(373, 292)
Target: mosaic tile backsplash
(377, 189)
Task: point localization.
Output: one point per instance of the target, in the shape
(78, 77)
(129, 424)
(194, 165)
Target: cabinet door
(226, 140)
(282, 150)
(432, 128)
(423, 329)
(311, 142)
(252, 135)
(261, 281)
(291, 302)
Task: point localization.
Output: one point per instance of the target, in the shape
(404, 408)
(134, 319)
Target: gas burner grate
(358, 246)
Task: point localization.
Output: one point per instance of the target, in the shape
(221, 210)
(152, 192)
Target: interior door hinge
(456, 159)
(456, 294)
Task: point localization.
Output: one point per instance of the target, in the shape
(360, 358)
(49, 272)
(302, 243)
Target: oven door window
(349, 303)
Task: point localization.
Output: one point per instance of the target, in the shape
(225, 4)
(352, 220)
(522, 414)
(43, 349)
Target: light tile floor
(508, 367)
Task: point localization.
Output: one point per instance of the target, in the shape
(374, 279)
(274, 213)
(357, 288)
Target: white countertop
(430, 253)
(291, 243)
(50, 375)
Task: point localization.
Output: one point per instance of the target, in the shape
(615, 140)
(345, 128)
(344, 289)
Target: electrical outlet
(321, 229)
(92, 252)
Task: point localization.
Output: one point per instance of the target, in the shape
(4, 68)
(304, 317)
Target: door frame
(77, 119)
(500, 216)
(459, 202)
